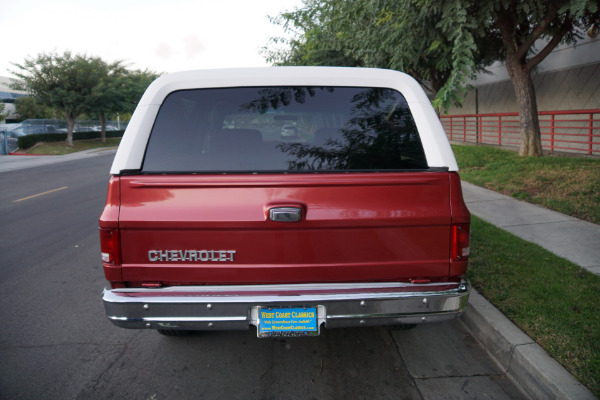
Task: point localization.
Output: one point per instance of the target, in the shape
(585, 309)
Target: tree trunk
(70, 127)
(103, 127)
(531, 142)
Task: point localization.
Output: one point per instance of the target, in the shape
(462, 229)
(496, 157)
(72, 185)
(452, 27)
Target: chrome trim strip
(277, 293)
(180, 319)
(117, 298)
(353, 316)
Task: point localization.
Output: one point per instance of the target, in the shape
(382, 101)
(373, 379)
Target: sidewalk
(13, 163)
(578, 241)
(567, 237)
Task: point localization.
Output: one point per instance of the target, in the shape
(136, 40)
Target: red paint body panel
(110, 215)
(109, 220)
(355, 227)
(460, 215)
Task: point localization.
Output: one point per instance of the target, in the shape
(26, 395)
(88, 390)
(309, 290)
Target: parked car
(18, 130)
(212, 228)
(289, 131)
(8, 128)
(22, 129)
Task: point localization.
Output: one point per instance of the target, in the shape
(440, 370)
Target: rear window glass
(284, 129)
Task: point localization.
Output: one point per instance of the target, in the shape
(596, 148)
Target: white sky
(163, 36)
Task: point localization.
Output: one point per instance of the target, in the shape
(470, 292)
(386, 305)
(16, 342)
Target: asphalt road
(56, 343)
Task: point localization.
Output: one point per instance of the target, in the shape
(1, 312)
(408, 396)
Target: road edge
(10, 163)
(523, 360)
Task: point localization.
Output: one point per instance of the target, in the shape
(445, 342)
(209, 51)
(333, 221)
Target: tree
(133, 86)
(2, 114)
(62, 81)
(117, 90)
(312, 38)
(106, 95)
(440, 43)
(81, 84)
(377, 33)
(529, 31)
(30, 108)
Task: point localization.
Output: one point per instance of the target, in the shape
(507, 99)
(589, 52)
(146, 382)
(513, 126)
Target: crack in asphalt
(92, 386)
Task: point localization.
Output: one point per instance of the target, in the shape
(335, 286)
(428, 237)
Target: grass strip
(61, 148)
(551, 299)
(570, 185)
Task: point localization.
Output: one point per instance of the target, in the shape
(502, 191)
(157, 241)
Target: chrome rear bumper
(236, 307)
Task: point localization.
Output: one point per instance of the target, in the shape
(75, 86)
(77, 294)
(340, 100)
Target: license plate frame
(288, 321)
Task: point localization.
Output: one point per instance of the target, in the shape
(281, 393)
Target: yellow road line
(40, 194)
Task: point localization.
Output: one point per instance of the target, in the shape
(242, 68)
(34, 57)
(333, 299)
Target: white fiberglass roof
(131, 151)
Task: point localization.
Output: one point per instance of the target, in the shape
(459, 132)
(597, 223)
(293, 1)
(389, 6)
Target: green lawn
(60, 148)
(551, 299)
(570, 185)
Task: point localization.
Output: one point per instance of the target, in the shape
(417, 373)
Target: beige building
(568, 79)
(8, 97)
(567, 85)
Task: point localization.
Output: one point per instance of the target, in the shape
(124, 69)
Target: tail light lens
(460, 242)
(110, 246)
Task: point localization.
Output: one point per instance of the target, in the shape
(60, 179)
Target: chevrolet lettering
(190, 255)
(284, 200)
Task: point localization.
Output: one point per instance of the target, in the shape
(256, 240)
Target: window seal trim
(282, 172)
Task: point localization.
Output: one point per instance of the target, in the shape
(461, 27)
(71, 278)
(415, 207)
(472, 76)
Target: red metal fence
(575, 131)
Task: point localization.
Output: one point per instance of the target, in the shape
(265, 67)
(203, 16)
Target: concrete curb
(538, 374)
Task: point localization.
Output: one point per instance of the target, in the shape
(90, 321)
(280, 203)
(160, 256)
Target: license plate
(294, 321)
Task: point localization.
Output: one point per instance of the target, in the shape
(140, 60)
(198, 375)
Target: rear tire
(173, 332)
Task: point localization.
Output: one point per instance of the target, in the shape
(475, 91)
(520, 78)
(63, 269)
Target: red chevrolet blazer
(290, 199)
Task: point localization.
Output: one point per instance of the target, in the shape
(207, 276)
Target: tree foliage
(440, 43)
(79, 84)
(133, 86)
(2, 114)
(30, 108)
(117, 90)
(105, 95)
(529, 31)
(62, 81)
(399, 35)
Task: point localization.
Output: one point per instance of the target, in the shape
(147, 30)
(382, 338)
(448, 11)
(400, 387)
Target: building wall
(568, 79)
(8, 96)
(576, 88)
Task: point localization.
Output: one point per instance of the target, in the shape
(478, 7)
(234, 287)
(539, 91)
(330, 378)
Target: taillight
(110, 246)
(460, 242)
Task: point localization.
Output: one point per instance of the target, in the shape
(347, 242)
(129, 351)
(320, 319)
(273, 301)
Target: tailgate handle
(285, 214)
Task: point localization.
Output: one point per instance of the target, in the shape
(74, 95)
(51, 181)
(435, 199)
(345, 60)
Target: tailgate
(210, 229)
